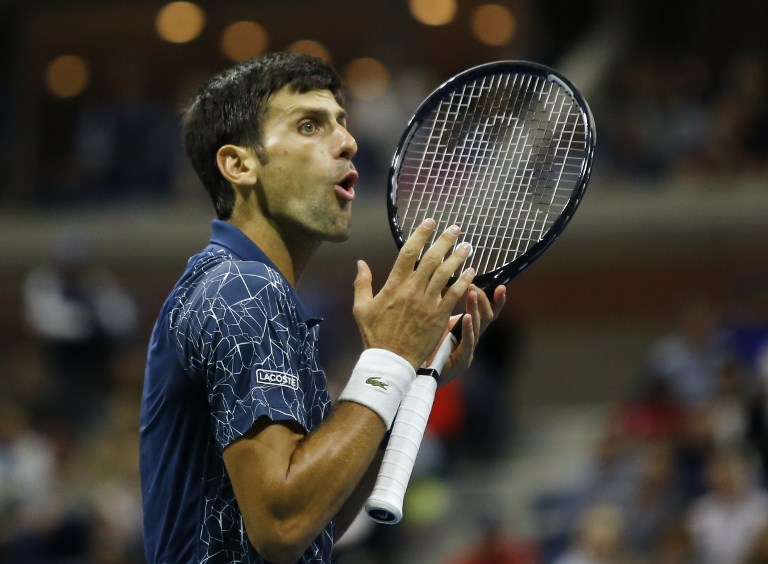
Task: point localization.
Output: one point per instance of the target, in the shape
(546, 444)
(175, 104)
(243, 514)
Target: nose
(347, 147)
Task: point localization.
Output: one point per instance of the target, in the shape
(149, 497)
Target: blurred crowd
(680, 472)
(681, 116)
(68, 415)
(680, 97)
(662, 122)
(672, 103)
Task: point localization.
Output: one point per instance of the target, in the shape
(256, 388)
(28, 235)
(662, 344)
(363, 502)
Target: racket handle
(385, 504)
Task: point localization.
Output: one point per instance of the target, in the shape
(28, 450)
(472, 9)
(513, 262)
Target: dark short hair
(230, 107)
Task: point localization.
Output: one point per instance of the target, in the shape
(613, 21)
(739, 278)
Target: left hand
(480, 312)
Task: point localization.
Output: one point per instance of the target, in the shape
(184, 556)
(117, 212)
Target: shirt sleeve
(243, 340)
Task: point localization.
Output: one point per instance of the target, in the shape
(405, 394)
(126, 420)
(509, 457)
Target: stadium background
(675, 221)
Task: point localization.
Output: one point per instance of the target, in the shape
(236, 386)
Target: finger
(489, 310)
(499, 299)
(473, 309)
(457, 290)
(411, 249)
(363, 280)
(469, 328)
(465, 350)
(447, 268)
(433, 257)
(462, 355)
(485, 306)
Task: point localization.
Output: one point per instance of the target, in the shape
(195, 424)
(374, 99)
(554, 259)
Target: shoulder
(219, 275)
(222, 298)
(218, 287)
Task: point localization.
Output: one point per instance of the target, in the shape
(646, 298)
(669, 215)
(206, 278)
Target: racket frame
(505, 273)
(385, 504)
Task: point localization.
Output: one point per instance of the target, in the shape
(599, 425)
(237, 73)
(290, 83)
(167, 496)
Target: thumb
(363, 289)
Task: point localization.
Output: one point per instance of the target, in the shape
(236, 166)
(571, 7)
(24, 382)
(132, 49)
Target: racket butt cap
(383, 511)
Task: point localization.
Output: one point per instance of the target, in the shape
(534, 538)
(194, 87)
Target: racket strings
(480, 187)
(523, 241)
(456, 116)
(500, 157)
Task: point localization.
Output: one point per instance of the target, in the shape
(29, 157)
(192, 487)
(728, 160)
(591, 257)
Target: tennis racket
(504, 150)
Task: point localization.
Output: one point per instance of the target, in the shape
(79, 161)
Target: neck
(289, 254)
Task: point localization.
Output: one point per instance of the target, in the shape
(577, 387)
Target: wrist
(379, 381)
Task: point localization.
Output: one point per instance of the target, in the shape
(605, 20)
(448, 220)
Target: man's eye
(308, 127)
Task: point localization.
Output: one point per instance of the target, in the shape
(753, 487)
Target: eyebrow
(320, 112)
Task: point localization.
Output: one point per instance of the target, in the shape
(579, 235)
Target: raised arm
(290, 486)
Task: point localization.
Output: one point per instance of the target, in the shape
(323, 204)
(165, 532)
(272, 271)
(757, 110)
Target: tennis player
(243, 458)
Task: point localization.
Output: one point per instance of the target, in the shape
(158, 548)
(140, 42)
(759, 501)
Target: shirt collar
(224, 234)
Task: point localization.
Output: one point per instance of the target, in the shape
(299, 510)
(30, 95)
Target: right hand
(409, 314)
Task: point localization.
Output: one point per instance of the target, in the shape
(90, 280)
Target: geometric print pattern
(239, 328)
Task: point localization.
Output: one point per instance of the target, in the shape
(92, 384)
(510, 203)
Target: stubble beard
(320, 224)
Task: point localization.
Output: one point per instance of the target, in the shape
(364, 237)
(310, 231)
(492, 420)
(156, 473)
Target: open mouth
(346, 186)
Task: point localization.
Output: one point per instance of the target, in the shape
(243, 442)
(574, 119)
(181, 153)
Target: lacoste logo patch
(272, 378)
(376, 382)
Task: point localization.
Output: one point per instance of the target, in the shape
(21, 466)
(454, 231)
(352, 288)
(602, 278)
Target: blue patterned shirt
(232, 343)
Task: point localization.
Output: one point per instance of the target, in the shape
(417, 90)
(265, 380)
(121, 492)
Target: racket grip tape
(385, 504)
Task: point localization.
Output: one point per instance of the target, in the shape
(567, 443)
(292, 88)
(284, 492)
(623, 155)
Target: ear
(238, 165)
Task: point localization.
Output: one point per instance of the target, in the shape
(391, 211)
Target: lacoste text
(277, 379)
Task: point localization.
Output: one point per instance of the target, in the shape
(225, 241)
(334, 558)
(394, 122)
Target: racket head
(528, 123)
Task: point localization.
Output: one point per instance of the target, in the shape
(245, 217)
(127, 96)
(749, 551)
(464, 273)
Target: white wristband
(379, 381)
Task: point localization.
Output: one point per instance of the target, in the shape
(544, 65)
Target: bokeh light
(67, 76)
(311, 47)
(433, 12)
(243, 40)
(366, 78)
(493, 24)
(180, 22)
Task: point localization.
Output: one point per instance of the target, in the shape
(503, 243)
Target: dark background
(677, 212)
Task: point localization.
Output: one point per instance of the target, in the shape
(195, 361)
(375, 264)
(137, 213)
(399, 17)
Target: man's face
(307, 174)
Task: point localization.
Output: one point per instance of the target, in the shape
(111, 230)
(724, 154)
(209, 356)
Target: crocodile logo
(376, 382)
